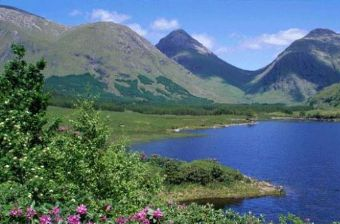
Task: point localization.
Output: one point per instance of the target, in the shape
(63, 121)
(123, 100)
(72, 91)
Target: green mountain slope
(304, 68)
(116, 63)
(328, 97)
(190, 53)
(113, 54)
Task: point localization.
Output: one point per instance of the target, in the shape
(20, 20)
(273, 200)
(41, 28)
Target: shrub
(201, 172)
(22, 110)
(46, 166)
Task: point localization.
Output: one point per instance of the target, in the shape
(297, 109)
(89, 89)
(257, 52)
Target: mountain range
(113, 61)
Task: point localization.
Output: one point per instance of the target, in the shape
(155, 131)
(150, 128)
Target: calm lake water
(304, 157)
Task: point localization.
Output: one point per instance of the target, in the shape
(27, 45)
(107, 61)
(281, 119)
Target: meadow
(143, 127)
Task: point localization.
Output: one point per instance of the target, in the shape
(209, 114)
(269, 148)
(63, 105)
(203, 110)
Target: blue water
(304, 157)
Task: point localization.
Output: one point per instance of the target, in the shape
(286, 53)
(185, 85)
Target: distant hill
(304, 68)
(195, 57)
(114, 62)
(328, 97)
(126, 65)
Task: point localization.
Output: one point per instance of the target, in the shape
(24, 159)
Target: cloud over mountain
(165, 24)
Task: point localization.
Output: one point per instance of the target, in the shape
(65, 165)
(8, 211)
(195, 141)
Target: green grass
(220, 192)
(144, 127)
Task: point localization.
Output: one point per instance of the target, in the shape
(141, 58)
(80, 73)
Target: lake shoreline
(250, 123)
(223, 194)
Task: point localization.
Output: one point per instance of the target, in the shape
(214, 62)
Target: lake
(304, 157)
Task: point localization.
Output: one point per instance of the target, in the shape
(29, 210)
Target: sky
(248, 34)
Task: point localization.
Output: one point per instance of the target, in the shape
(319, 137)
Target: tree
(22, 108)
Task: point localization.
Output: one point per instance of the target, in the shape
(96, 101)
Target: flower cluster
(54, 216)
(148, 216)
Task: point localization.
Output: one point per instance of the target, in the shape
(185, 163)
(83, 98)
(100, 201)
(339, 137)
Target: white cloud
(223, 50)
(108, 16)
(205, 39)
(281, 38)
(75, 12)
(137, 28)
(164, 24)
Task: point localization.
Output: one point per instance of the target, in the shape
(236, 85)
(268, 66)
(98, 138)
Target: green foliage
(207, 214)
(145, 80)
(62, 164)
(172, 87)
(22, 110)
(201, 172)
(328, 97)
(291, 219)
(81, 85)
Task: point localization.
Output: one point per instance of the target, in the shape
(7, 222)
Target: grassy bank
(143, 127)
(205, 181)
(221, 193)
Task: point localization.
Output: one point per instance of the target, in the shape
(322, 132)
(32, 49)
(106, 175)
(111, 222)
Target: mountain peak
(29, 21)
(179, 40)
(320, 32)
(179, 33)
(7, 7)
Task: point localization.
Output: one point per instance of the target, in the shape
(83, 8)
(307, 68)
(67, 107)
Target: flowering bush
(66, 165)
(81, 215)
(172, 214)
(62, 165)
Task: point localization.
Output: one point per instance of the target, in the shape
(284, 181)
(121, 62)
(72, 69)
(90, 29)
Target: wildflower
(58, 219)
(30, 213)
(15, 213)
(140, 216)
(45, 219)
(146, 221)
(81, 210)
(55, 211)
(73, 219)
(143, 156)
(103, 218)
(107, 208)
(157, 214)
(121, 220)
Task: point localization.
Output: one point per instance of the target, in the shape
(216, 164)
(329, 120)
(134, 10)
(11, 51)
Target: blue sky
(248, 34)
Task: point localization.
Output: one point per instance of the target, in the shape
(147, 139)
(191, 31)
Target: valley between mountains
(116, 64)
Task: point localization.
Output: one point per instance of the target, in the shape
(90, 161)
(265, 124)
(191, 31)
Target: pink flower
(55, 211)
(73, 219)
(82, 210)
(158, 214)
(45, 219)
(30, 213)
(140, 216)
(121, 220)
(58, 219)
(146, 221)
(103, 218)
(15, 213)
(143, 156)
(107, 208)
